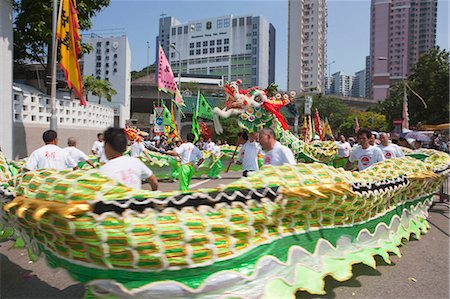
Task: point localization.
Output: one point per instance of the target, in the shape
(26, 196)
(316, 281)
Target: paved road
(422, 272)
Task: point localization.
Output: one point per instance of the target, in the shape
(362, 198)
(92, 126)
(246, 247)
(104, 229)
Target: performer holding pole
(238, 141)
(191, 159)
(216, 167)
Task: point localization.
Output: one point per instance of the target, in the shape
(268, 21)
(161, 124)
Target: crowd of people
(257, 149)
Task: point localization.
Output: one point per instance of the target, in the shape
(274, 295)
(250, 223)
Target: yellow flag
(69, 42)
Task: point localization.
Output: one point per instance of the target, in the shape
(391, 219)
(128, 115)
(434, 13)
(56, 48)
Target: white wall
(6, 56)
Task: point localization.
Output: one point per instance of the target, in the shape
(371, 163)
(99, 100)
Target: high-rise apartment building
(359, 85)
(307, 45)
(400, 31)
(111, 61)
(341, 84)
(235, 47)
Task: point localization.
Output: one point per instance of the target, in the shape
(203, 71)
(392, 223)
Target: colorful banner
(69, 42)
(166, 80)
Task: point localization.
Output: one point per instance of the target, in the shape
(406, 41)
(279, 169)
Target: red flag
(318, 124)
(356, 125)
(166, 80)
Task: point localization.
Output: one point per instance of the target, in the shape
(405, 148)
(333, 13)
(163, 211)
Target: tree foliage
(98, 88)
(33, 26)
(429, 78)
(231, 130)
(366, 119)
(142, 73)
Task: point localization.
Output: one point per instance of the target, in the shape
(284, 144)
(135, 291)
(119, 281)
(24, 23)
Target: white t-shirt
(76, 154)
(366, 157)
(279, 155)
(50, 156)
(210, 147)
(216, 151)
(248, 155)
(126, 170)
(99, 148)
(189, 153)
(391, 151)
(343, 149)
(137, 149)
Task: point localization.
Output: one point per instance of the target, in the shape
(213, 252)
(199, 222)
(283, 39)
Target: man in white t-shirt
(124, 169)
(248, 154)
(276, 153)
(98, 148)
(210, 145)
(217, 165)
(389, 149)
(365, 154)
(50, 155)
(343, 147)
(77, 155)
(191, 158)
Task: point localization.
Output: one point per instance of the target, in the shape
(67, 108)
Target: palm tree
(99, 88)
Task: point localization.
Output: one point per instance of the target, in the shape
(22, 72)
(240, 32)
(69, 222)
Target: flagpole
(56, 15)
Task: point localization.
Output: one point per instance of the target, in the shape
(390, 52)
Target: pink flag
(166, 80)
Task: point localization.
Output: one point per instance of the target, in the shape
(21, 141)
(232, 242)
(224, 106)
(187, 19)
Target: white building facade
(341, 84)
(31, 113)
(111, 60)
(307, 27)
(6, 76)
(235, 47)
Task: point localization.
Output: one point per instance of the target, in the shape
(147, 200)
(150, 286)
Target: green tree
(33, 27)
(366, 119)
(99, 88)
(142, 73)
(429, 78)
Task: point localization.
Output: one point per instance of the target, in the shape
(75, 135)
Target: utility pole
(53, 118)
(148, 59)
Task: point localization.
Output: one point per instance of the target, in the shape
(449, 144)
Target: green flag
(167, 118)
(204, 110)
(195, 127)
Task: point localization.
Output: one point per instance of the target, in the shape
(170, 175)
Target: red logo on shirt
(50, 155)
(365, 160)
(388, 155)
(267, 159)
(243, 153)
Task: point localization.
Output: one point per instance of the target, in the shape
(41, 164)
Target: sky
(348, 27)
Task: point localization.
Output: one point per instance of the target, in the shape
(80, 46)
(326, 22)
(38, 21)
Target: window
(107, 58)
(241, 21)
(115, 55)
(180, 30)
(191, 45)
(172, 55)
(255, 33)
(219, 23)
(107, 50)
(106, 72)
(255, 41)
(226, 48)
(211, 43)
(211, 50)
(198, 51)
(106, 78)
(226, 23)
(255, 26)
(205, 50)
(248, 46)
(205, 43)
(191, 52)
(99, 57)
(198, 27)
(115, 70)
(99, 64)
(219, 49)
(234, 22)
(198, 44)
(226, 41)
(219, 42)
(249, 20)
(208, 25)
(174, 31)
(107, 43)
(106, 64)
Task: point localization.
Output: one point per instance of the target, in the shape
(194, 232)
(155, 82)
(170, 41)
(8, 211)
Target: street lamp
(148, 59)
(177, 110)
